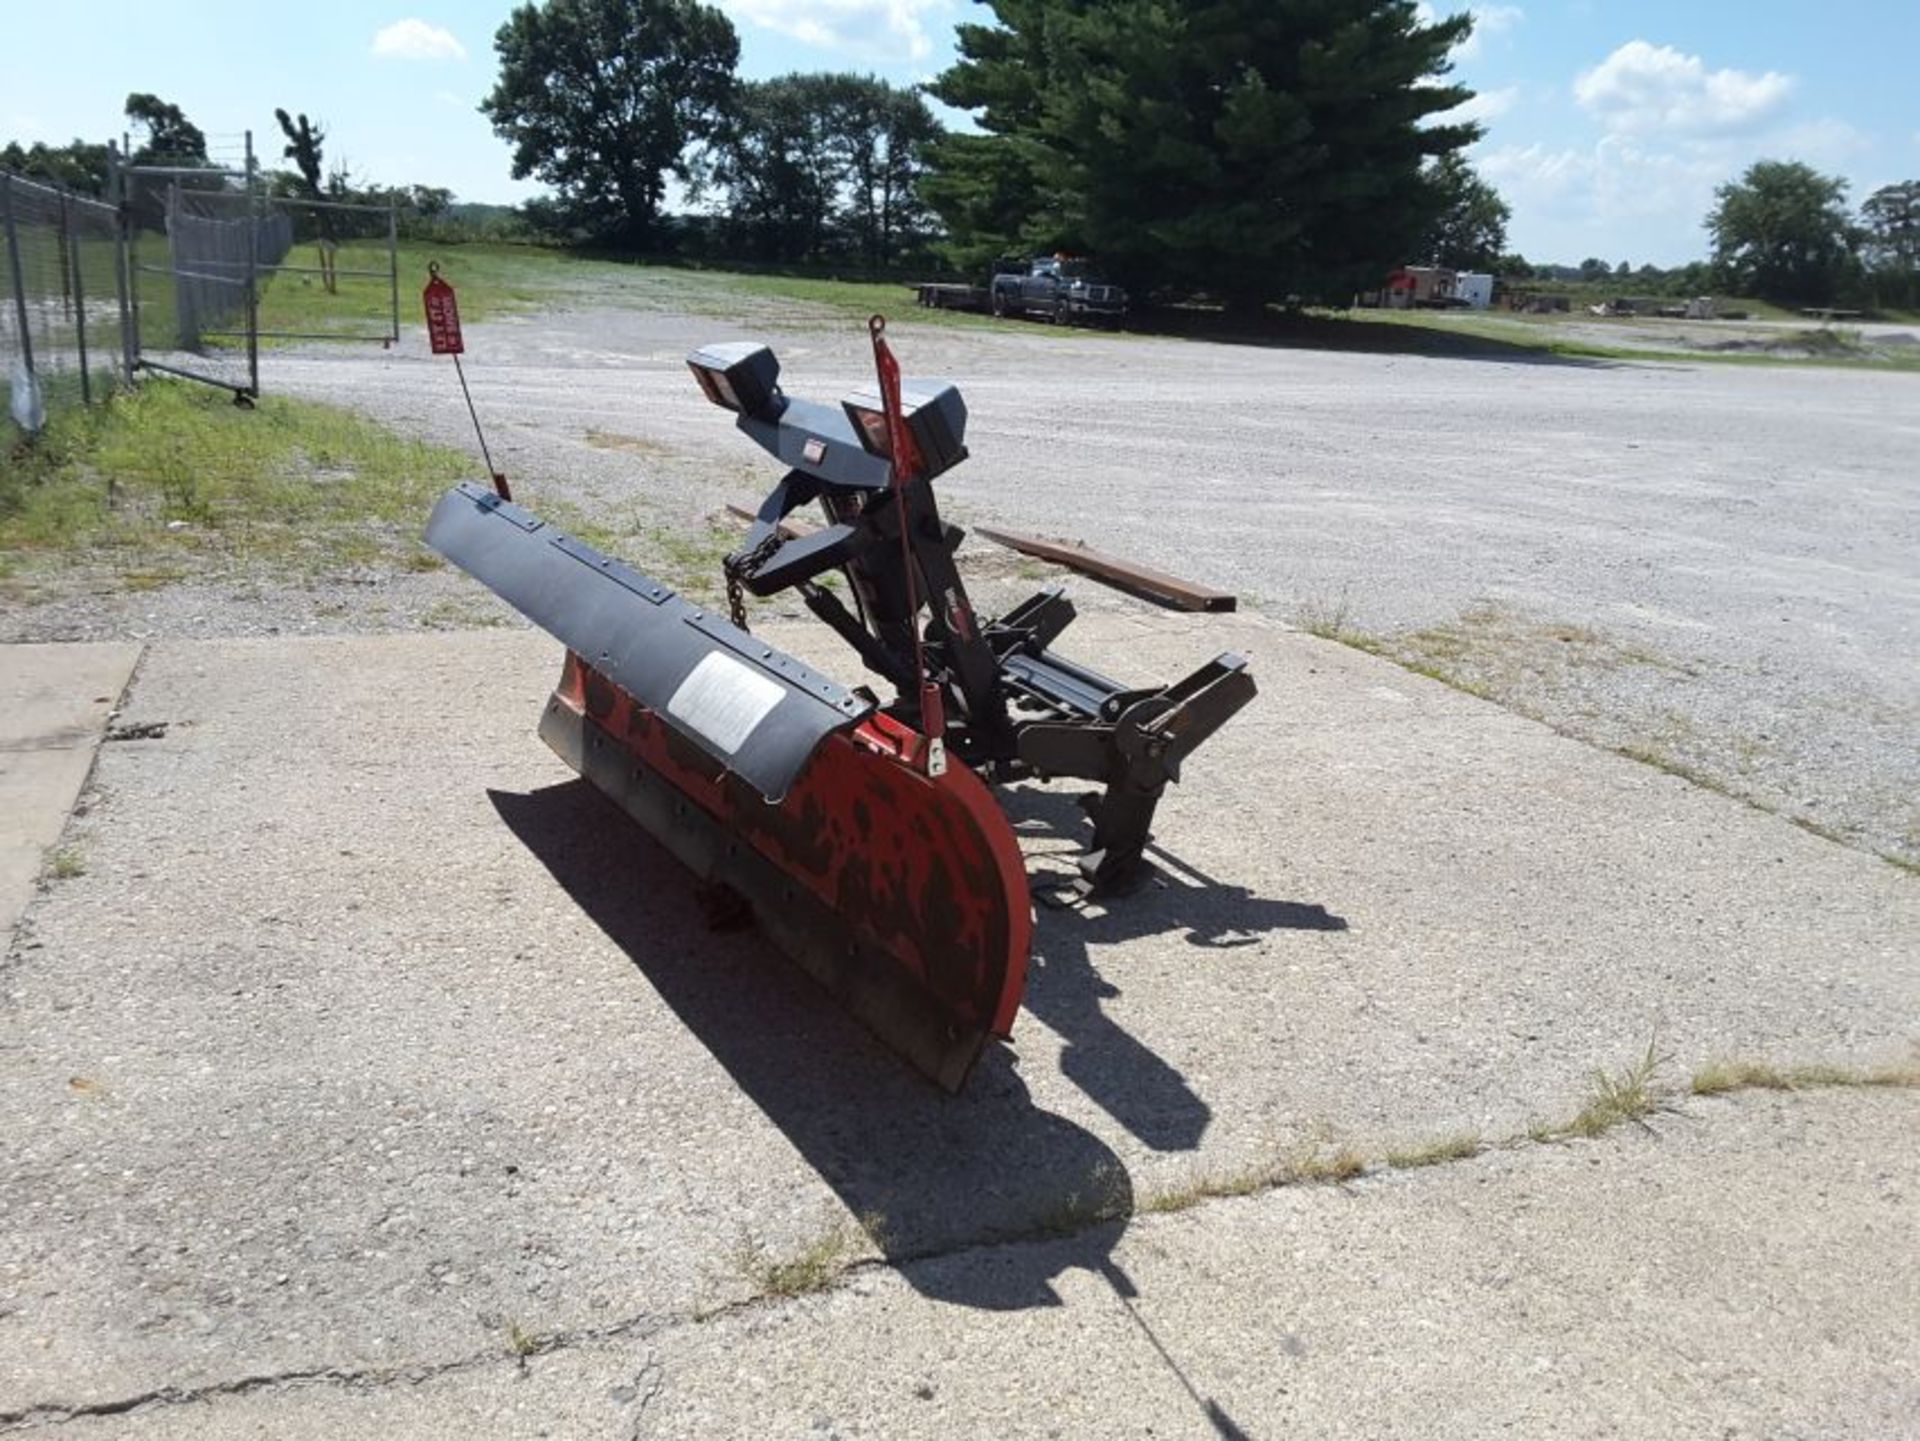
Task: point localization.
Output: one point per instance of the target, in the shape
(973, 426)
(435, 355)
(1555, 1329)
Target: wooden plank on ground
(1140, 580)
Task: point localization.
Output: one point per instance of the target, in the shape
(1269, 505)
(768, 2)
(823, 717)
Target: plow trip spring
(859, 830)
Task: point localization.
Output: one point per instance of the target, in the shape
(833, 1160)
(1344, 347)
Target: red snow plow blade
(858, 831)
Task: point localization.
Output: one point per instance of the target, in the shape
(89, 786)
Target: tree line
(1782, 232)
(1260, 152)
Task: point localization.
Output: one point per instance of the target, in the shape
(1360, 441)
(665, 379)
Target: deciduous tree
(808, 165)
(1470, 231)
(78, 166)
(167, 137)
(1781, 232)
(1891, 216)
(605, 99)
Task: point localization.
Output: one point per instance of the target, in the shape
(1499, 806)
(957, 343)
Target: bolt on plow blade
(904, 894)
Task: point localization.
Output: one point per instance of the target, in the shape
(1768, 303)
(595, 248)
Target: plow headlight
(935, 414)
(742, 376)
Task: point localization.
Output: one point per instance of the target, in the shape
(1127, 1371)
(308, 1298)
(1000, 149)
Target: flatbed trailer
(945, 295)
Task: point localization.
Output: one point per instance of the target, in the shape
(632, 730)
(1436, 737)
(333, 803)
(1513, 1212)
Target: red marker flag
(443, 314)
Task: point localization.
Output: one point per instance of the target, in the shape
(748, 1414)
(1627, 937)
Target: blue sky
(1609, 122)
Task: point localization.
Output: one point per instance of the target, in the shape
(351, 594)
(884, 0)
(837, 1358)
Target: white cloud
(1487, 20)
(878, 29)
(1486, 105)
(1643, 88)
(1643, 196)
(1540, 172)
(416, 40)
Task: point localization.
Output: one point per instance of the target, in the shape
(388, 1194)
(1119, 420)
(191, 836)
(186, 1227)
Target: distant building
(1473, 289)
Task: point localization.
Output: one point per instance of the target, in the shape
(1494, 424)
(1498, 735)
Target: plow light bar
(935, 414)
(742, 376)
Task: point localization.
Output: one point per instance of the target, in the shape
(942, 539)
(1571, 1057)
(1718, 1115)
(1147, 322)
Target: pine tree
(1252, 149)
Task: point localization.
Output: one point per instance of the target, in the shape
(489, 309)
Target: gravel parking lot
(1713, 567)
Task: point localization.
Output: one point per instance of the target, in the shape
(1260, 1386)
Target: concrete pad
(370, 1036)
(54, 704)
(1743, 1269)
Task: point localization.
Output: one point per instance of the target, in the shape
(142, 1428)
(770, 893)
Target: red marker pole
(443, 336)
(905, 458)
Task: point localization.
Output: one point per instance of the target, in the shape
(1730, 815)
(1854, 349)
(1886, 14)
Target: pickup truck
(1064, 291)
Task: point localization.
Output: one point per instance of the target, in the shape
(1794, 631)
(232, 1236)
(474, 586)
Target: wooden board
(1140, 580)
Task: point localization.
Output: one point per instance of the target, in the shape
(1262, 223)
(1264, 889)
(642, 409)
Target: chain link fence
(62, 307)
(190, 273)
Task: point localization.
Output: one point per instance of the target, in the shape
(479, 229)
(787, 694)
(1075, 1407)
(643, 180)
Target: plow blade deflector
(758, 711)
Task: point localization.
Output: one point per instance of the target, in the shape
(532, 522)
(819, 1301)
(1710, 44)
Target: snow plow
(856, 825)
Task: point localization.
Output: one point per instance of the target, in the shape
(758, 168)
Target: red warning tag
(443, 315)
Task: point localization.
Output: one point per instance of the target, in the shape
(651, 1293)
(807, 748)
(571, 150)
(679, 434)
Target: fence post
(19, 279)
(79, 297)
(255, 210)
(393, 270)
(124, 260)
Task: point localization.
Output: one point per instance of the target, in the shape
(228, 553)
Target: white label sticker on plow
(724, 700)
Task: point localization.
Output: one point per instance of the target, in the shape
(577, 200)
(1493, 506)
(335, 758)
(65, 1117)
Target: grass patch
(491, 280)
(1718, 1078)
(1331, 618)
(630, 444)
(1517, 335)
(170, 478)
(1457, 1147)
(66, 864)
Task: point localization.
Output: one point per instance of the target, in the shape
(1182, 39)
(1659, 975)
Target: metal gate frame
(257, 204)
(121, 179)
(391, 335)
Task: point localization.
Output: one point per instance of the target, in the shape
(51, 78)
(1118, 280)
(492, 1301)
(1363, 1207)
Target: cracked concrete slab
(371, 1040)
(54, 704)
(1744, 1267)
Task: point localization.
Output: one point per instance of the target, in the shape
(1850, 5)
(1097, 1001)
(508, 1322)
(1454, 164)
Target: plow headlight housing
(742, 376)
(935, 414)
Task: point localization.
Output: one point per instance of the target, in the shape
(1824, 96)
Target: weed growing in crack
(1315, 1162)
(1457, 1147)
(814, 1267)
(1628, 1095)
(1717, 1078)
(522, 1343)
(1210, 1186)
(1310, 1164)
(66, 864)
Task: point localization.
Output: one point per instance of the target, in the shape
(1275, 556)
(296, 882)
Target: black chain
(739, 566)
